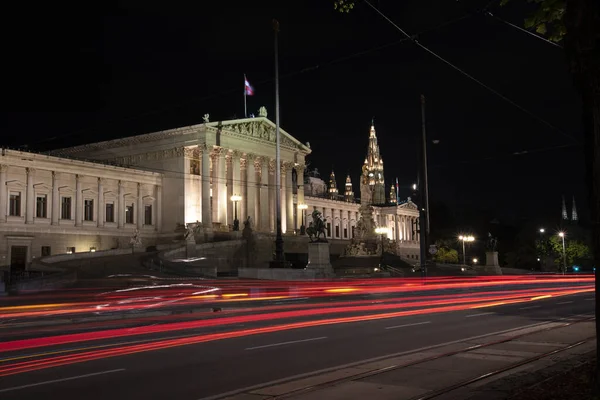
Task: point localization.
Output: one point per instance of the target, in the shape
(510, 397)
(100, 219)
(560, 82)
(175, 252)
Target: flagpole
(245, 93)
(279, 261)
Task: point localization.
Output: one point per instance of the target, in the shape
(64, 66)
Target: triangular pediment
(408, 204)
(261, 129)
(16, 184)
(42, 186)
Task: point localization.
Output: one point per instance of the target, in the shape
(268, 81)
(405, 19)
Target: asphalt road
(204, 369)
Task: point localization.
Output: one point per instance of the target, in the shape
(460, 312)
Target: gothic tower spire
(333, 191)
(574, 216)
(373, 171)
(393, 197)
(348, 193)
(565, 216)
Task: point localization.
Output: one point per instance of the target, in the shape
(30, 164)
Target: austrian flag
(248, 90)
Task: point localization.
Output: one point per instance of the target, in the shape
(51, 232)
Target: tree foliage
(446, 255)
(343, 6)
(575, 250)
(547, 19)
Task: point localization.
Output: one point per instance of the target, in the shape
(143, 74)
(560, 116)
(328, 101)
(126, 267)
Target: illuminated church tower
(393, 197)
(348, 193)
(372, 175)
(333, 191)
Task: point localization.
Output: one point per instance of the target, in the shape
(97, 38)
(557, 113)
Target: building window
(65, 208)
(353, 231)
(15, 204)
(129, 214)
(329, 229)
(110, 212)
(70, 250)
(88, 210)
(345, 233)
(148, 214)
(41, 206)
(45, 251)
(337, 231)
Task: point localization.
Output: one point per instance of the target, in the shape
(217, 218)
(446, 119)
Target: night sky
(76, 80)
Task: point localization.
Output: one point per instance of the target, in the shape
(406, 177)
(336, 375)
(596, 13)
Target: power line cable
(503, 97)
(524, 30)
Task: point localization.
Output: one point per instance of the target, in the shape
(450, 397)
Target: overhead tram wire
(500, 95)
(312, 68)
(524, 30)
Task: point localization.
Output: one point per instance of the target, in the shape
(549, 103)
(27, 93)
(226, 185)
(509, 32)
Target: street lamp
(464, 239)
(562, 235)
(381, 231)
(475, 261)
(236, 223)
(302, 207)
(541, 248)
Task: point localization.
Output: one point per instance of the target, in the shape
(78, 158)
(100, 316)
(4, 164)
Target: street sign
(433, 249)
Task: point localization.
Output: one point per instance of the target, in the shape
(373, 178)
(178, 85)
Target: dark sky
(76, 80)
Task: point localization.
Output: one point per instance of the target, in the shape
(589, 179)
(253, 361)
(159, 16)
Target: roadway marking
(479, 315)
(61, 380)
(565, 302)
(284, 343)
(402, 326)
(528, 307)
(592, 299)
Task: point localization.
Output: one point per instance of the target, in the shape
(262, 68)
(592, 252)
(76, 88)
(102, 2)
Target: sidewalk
(468, 368)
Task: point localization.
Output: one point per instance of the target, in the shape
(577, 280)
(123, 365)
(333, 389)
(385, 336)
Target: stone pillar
(285, 227)
(264, 195)
(120, 206)
(78, 200)
(229, 192)
(289, 188)
(3, 193)
(140, 207)
(244, 191)
(158, 212)
(206, 212)
(55, 214)
(30, 197)
(251, 190)
(237, 183)
(221, 187)
(397, 227)
(272, 200)
(100, 213)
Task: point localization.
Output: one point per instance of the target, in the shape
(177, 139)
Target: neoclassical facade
(96, 196)
(204, 165)
(53, 205)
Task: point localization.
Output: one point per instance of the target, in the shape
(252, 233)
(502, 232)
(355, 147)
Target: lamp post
(236, 223)
(475, 261)
(381, 231)
(541, 249)
(302, 208)
(562, 236)
(464, 239)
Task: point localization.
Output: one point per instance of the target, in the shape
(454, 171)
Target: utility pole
(279, 261)
(424, 194)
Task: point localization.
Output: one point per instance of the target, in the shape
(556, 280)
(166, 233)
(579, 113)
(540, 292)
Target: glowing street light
(236, 223)
(463, 239)
(542, 230)
(562, 235)
(475, 261)
(381, 231)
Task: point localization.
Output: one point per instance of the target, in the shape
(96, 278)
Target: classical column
(30, 197)
(236, 178)
(264, 194)
(300, 182)
(120, 206)
(78, 200)
(55, 199)
(221, 187)
(272, 205)
(100, 214)
(289, 197)
(3, 193)
(158, 211)
(285, 226)
(206, 212)
(251, 188)
(397, 227)
(244, 190)
(229, 193)
(140, 206)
